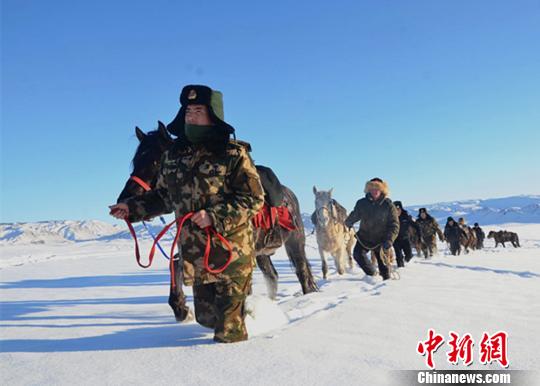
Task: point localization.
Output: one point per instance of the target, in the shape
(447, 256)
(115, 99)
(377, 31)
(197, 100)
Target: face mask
(199, 134)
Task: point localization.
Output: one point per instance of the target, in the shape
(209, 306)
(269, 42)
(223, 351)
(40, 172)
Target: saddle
(274, 211)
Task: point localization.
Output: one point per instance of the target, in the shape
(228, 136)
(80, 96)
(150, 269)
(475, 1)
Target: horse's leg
(177, 298)
(270, 274)
(295, 243)
(340, 260)
(374, 262)
(324, 264)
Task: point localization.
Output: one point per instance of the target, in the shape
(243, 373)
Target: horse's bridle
(141, 183)
(330, 210)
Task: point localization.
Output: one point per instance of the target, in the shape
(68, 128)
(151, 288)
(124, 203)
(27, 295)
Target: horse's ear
(314, 189)
(139, 133)
(163, 130)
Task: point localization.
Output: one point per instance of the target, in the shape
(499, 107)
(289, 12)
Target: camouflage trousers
(430, 245)
(221, 306)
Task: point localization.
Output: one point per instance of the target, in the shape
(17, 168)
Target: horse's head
(146, 161)
(324, 206)
(491, 234)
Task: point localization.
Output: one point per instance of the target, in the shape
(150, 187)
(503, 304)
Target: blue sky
(439, 98)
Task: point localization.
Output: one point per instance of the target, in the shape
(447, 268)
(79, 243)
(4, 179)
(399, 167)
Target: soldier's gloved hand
(202, 219)
(387, 245)
(119, 211)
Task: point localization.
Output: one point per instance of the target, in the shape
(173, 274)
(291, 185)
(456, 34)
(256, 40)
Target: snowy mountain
(515, 209)
(45, 232)
(306, 219)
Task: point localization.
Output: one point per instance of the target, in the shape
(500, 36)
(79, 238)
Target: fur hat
(450, 219)
(398, 204)
(200, 95)
(377, 183)
(422, 210)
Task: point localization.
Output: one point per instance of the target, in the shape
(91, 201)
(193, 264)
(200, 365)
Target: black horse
(146, 164)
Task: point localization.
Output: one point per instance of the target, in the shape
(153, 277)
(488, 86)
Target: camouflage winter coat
(226, 184)
(378, 221)
(429, 228)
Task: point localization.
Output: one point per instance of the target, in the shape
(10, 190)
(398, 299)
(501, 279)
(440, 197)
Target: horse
(333, 236)
(504, 237)
(145, 166)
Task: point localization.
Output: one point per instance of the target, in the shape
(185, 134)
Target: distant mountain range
(515, 209)
(72, 231)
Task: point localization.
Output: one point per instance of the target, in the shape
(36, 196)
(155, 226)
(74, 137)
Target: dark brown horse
(502, 237)
(468, 239)
(146, 164)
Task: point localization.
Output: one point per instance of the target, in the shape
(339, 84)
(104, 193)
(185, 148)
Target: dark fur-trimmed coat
(379, 221)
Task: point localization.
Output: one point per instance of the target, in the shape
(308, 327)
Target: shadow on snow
(128, 279)
(168, 335)
(150, 331)
(522, 274)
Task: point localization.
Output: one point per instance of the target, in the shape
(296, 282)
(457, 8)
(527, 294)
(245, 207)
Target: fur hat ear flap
(377, 183)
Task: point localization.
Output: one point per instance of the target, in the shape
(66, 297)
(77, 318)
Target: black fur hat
(422, 210)
(201, 95)
(450, 219)
(398, 204)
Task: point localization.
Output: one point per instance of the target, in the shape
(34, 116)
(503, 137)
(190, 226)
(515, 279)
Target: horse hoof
(183, 317)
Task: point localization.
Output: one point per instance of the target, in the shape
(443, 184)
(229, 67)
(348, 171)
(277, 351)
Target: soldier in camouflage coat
(430, 229)
(207, 173)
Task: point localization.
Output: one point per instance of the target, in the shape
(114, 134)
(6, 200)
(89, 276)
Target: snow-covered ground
(85, 313)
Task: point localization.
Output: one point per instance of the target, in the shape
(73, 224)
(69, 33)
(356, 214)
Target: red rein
(180, 224)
